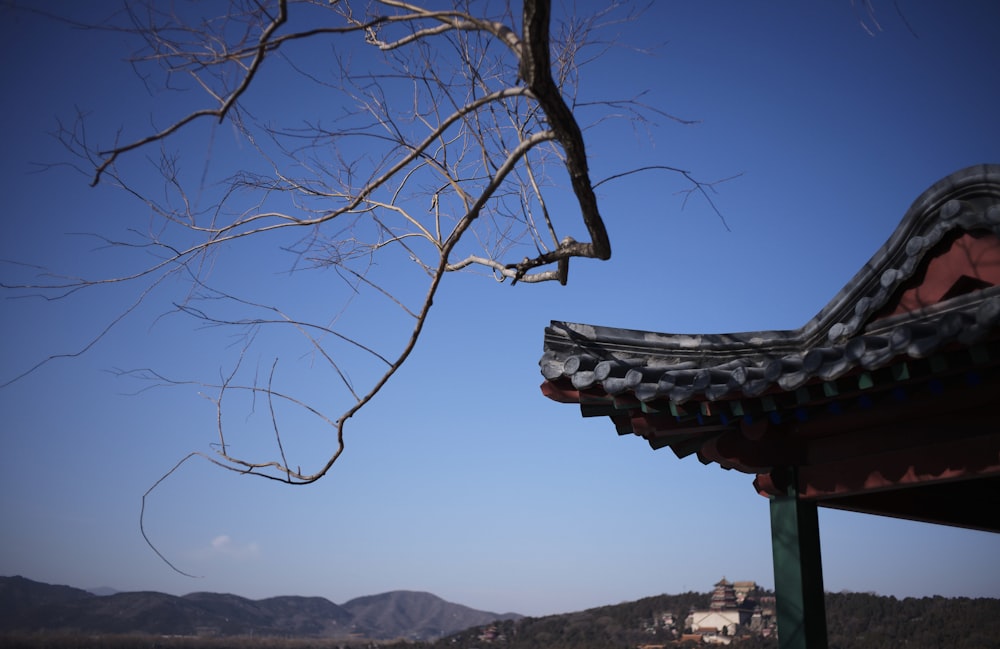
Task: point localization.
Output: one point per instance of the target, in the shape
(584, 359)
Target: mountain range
(77, 619)
(31, 606)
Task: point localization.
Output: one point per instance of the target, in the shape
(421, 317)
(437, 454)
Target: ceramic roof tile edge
(680, 367)
(968, 199)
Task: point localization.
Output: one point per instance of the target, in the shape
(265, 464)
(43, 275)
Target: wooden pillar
(798, 571)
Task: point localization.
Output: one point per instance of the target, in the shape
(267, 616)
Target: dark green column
(798, 571)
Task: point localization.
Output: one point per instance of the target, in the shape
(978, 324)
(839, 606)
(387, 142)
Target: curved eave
(891, 385)
(847, 335)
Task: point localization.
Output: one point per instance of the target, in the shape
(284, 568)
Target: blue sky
(461, 479)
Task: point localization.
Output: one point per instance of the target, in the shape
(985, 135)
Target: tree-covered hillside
(863, 620)
(854, 621)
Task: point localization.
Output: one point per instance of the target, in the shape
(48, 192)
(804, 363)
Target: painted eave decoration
(884, 402)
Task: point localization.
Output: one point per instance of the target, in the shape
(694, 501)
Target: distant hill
(424, 621)
(415, 615)
(619, 626)
(854, 621)
(30, 606)
(18, 596)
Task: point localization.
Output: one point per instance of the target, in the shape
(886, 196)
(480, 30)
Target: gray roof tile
(848, 335)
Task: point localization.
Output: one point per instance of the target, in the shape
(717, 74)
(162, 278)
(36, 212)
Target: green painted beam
(798, 571)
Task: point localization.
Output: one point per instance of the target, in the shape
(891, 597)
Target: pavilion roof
(892, 383)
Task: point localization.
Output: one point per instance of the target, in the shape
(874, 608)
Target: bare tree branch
(441, 136)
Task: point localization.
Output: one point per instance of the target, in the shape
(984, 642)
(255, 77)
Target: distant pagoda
(724, 596)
